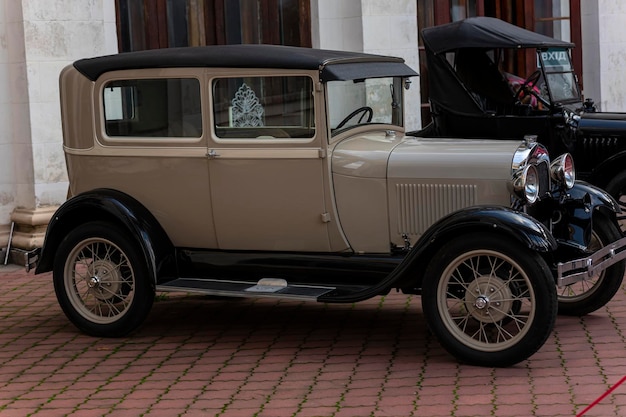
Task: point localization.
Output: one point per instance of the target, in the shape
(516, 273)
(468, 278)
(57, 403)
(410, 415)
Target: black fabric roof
(485, 32)
(333, 65)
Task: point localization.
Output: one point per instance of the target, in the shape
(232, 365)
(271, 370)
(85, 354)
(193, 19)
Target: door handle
(212, 154)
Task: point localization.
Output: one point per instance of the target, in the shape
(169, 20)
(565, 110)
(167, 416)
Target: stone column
(37, 39)
(604, 53)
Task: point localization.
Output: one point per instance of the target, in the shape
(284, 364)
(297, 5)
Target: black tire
(591, 294)
(490, 301)
(101, 281)
(617, 188)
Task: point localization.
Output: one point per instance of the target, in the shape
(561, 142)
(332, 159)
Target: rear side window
(264, 107)
(153, 108)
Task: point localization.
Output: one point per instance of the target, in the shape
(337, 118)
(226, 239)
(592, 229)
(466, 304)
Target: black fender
(574, 211)
(604, 172)
(510, 224)
(118, 208)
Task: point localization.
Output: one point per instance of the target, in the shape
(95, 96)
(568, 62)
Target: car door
(267, 165)
(151, 145)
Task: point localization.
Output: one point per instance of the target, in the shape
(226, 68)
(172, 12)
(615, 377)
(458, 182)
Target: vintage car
(284, 172)
(472, 96)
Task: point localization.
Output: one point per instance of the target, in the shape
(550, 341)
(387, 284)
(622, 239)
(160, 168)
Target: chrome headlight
(526, 184)
(562, 170)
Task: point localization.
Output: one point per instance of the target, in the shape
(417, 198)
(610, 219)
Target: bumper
(31, 258)
(577, 270)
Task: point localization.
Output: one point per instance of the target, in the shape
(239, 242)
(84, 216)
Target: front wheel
(101, 281)
(490, 302)
(590, 294)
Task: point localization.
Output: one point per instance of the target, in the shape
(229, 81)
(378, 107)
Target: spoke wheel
(488, 304)
(477, 317)
(101, 281)
(101, 278)
(590, 294)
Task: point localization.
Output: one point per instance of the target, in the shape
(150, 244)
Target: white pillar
(37, 39)
(604, 53)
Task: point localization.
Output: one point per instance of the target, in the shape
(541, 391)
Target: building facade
(39, 37)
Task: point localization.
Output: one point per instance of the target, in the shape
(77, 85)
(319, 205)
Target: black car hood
(602, 123)
(486, 33)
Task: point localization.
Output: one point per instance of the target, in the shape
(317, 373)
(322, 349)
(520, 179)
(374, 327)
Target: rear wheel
(590, 294)
(490, 302)
(101, 281)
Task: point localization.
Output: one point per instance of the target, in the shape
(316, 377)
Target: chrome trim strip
(268, 153)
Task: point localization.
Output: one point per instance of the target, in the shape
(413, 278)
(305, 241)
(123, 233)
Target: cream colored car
(269, 171)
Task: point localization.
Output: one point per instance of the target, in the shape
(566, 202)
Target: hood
(384, 156)
(453, 158)
(602, 123)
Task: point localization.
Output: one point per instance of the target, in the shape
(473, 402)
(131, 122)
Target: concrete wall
(37, 39)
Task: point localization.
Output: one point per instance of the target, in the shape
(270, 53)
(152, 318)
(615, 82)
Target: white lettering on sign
(555, 58)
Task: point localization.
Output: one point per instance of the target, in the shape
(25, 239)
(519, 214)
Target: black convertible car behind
(471, 96)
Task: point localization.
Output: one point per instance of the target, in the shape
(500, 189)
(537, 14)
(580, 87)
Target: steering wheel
(365, 110)
(528, 87)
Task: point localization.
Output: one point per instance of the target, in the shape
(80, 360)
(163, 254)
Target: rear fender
(117, 208)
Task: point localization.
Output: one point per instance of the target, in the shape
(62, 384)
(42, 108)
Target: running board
(266, 287)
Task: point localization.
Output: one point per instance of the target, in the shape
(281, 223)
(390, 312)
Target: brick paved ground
(197, 356)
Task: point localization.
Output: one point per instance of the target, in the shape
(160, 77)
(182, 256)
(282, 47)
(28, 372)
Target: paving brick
(281, 358)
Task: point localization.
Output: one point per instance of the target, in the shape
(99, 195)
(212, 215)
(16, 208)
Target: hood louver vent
(422, 205)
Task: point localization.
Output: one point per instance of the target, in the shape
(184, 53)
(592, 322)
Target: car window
(168, 107)
(263, 107)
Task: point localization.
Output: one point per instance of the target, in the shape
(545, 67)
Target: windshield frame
(385, 98)
(550, 76)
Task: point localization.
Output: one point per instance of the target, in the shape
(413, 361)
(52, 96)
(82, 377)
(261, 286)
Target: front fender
(515, 225)
(573, 216)
(508, 223)
(118, 208)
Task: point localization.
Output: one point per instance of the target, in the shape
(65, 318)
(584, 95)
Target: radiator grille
(543, 171)
(421, 205)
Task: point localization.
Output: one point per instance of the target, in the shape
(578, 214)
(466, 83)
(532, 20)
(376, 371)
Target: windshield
(357, 102)
(560, 81)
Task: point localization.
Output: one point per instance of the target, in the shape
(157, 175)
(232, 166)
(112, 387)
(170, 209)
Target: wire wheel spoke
(101, 280)
(488, 300)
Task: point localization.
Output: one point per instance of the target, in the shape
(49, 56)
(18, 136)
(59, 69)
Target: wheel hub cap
(104, 281)
(93, 282)
(481, 303)
(488, 299)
